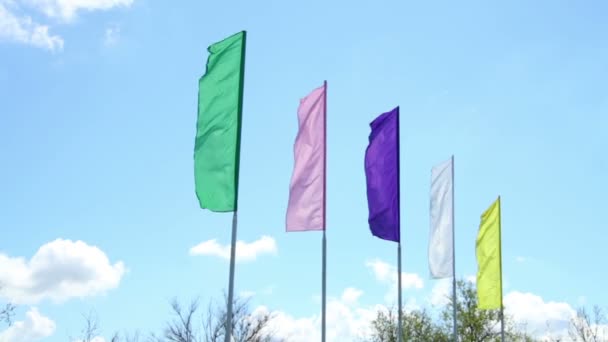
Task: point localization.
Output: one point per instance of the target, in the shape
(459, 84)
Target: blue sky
(98, 113)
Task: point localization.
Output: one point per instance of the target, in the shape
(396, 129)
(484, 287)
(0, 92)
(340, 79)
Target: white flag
(441, 242)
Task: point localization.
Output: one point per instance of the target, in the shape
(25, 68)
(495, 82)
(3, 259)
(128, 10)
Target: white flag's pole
(324, 247)
(454, 259)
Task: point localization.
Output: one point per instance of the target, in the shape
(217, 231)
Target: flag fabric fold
(217, 146)
(382, 176)
(441, 244)
(488, 253)
(306, 206)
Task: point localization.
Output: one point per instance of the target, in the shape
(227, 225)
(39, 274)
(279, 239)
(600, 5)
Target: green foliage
(417, 326)
(474, 325)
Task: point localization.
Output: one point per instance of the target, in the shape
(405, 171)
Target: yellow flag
(489, 272)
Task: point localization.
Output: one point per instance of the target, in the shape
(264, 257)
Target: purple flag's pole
(324, 242)
(400, 324)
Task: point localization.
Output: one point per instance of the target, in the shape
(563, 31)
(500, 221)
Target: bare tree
(185, 326)
(7, 313)
(181, 329)
(248, 327)
(90, 330)
(587, 328)
(135, 337)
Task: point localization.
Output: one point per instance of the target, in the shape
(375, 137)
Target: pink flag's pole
(324, 243)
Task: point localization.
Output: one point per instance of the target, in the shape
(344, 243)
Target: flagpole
(454, 302)
(400, 330)
(324, 242)
(231, 281)
(323, 286)
(229, 324)
(399, 317)
(502, 314)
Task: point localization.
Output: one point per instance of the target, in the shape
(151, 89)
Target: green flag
(218, 128)
(489, 271)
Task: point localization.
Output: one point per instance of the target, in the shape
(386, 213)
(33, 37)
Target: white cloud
(111, 35)
(529, 311)
(520, 259)
(536, 315)
(244, 251)
(34, 328)
(345, 322)
(67, 9)
(22, 29)
(387, 274)
(351, 295)
(347, 319)
(441, 292)
(59, 270)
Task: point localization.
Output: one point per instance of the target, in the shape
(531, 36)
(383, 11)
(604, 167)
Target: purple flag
(306, 207)
(382, 174)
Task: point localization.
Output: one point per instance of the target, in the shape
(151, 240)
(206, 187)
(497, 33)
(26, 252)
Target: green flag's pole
(502, 313)
(234, 217)
(454, 302)
(231, 280)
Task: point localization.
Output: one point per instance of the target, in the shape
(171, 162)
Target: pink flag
(306, 208)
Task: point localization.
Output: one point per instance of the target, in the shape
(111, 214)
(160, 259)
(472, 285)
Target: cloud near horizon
(35, 327)
(349, 320)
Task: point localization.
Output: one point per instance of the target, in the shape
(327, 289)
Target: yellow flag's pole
(502, 313)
